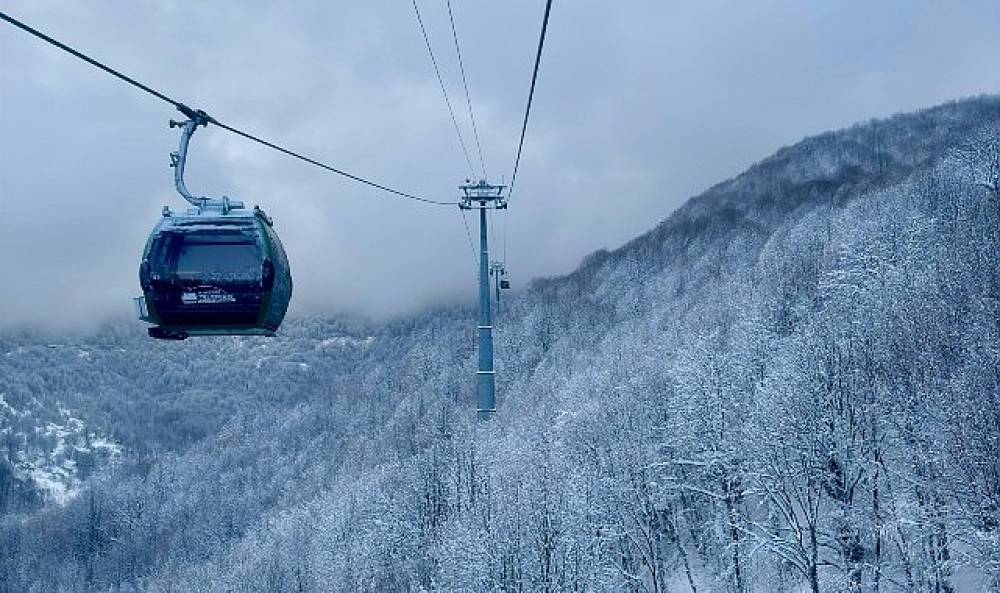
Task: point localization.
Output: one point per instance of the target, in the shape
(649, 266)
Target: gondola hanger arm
(178, 160)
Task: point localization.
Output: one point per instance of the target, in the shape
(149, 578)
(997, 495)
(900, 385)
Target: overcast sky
(639, 106)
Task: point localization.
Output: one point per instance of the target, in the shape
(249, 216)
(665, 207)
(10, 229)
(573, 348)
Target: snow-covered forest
(792, 384)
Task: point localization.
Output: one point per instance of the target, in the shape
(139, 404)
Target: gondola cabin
(214, 271)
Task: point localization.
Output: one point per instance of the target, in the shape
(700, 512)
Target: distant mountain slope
(821, 168)
(790, 384)
(61, 399)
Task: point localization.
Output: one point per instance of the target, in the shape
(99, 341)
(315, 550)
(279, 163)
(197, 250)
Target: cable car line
(531, 94)
(468, 236)
(444, 92)
(201, 115)
(524, 125)
(180, 106)
(492, 237)
(332, 169)
(506, 221)
(465, 85)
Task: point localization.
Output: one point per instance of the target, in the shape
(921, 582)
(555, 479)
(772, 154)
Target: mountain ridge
(967, 113)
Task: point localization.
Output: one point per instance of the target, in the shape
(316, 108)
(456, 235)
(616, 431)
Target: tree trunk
(734, 534)
(813, 560)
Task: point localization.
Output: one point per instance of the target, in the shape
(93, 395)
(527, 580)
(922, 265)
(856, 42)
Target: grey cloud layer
(639, 106)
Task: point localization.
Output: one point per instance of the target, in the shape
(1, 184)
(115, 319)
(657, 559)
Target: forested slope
(790, 384)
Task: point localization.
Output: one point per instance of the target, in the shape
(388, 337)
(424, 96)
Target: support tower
(483, 196)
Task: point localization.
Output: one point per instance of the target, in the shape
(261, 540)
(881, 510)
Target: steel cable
(192, 113)
(465, 85)
(531, 94)
(437, 71)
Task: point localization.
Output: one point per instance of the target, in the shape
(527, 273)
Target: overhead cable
(437, 71)
(465, 85)
(198, 114)
(531, 94)
(468, 235)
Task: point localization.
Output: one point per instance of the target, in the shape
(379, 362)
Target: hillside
(790, 384)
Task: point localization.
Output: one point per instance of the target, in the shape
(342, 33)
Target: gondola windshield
(220, 255)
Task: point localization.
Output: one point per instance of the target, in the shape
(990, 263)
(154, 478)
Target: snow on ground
(103, 444)
(57, 484)
(346, 341)
(7, 409)
(52, 450)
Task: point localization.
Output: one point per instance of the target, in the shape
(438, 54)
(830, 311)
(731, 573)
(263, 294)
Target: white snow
(48, 460)
(102, 443)
(54, 484)
(4, 406)
(345, 341)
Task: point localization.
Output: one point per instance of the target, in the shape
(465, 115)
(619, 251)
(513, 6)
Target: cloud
(639, 106)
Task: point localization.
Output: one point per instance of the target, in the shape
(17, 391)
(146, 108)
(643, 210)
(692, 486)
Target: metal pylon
(483, 196)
